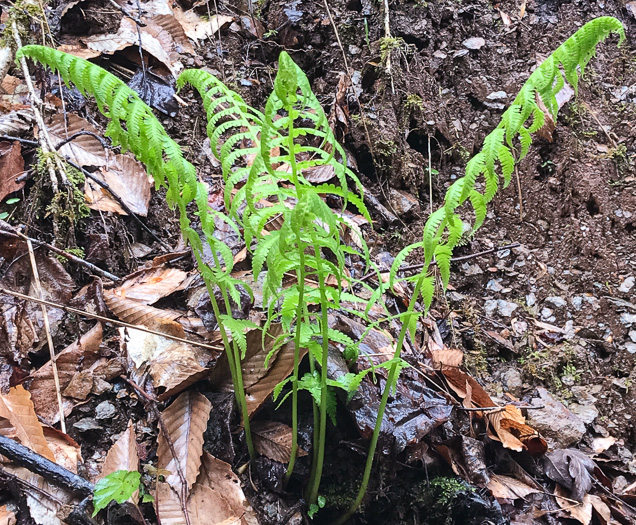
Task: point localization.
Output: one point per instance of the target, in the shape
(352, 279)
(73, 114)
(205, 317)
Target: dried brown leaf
(149, 285)
(259, 381)
(274, 440)
(83, 150)
(11, 166)
(571, 469)
(581, 512)
(127, 179)
(123, 455)
(185, 421)
(18, 421)
(71, 362)
(505, 487)
(452, 357)
(197, 28)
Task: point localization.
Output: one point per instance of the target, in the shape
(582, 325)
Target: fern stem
(324, 325)
(300, 275)
(390, 384)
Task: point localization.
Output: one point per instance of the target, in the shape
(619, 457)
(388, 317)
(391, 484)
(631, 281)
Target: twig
(102, 141)
(495, 409)
(47, 328)
(106, 319)
(45, 142)
(387, 35)
(127, 13)
(152, 404)
(119, 200)
(419, 266)
(54, 249)
(519, 192)
(23, 141)
(430, 177)
(52, 472)
(612, 141)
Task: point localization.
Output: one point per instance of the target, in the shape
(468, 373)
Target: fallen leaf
(505, 487)
(197, 28)
(123, 455)
(185, 421)
(451, 357)
(571, 469)
(79, 356)
(581, 512)
(259, 382)
(11, 165)
(83, 150)
(274, 440)
(601, 444)
(151, 284)
(18, 421)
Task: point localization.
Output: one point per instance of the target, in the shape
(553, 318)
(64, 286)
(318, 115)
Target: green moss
(21, 13)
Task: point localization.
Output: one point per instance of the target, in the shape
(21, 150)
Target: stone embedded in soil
(531, 299)
(554, 421)
(498, 95)
(471, 269)
(105, 410)
(627, 284)
(504, 308)
(632, 335)
(586, 413)
(631, 348)
(557, 302)
(402, 203)
(512, 381)
(87, 424)
(628, 319)
(475, 42)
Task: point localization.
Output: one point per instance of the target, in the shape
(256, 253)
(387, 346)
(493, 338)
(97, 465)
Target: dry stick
(47, 328)
(419, 266)
(519, 192)
(63, 253)
(107, 319)
(52, 472)
(152, 403)
(612, 141)
(45, 142)
(127, 13)
(387, 33)
(119, 200)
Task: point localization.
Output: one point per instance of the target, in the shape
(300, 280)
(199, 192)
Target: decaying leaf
(18, 421)
(451, 357)
(505, 487)
(580, 511)
(274, 440)
(124, 175)
(151, 284)
(185, 421)
(196, 27)
(259, 381)
(216, 498)
(571, 469)
(123, 455)
(78, 357)
(508, 424)
(11, 166)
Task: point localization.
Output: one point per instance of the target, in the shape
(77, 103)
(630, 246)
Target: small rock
(577, 302)
(440, 54)
(472, 269)
(494, 286)
(631, 348)
(354, 50)
(498, 95)
(632, 335)
(475, 42)
(557, 302)
(583, 395)
(490, 306)
(546, 313)
(531, 299)
(628, 319)
(511, 379)
(105, 410)
(554, 421)
(586, 413)
(403, 204)
(506, 308)
(627, 284)
(86, 425)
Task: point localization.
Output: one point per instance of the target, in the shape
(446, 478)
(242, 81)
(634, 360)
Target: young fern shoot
(444, 227)
(133, 126)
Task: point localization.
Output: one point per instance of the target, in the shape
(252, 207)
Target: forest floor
(546, 318)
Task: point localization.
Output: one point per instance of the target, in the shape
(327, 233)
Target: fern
(134, 127)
